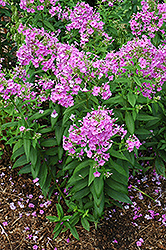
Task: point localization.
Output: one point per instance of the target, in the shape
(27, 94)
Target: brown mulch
(23, 230)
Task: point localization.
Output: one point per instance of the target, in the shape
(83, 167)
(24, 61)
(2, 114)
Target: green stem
(20, 112)
(54, 179)
(143, 193)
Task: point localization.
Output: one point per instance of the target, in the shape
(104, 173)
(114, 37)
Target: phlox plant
(80, 104)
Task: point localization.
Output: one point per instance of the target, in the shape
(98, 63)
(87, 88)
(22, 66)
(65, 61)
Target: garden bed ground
(23, 227)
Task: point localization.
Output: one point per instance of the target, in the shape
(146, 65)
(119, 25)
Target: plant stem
(143, 193)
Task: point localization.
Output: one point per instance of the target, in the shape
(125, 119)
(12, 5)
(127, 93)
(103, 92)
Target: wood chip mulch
(117, 230)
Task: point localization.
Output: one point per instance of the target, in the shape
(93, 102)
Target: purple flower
(97, 174)
(35, 247)
(54, 114)
(29, 236)
(12, 206)
(139, 242)
(35, 180)
(31, 205)
(34, 214)
(22, 128)
(5, 223)
(41, 211)
(68, 240)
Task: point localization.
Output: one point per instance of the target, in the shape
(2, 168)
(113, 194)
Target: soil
(119, 228)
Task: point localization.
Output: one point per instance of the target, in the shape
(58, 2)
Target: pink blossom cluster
(69, 66)
(3, 3)
(111, 3)
(94, 137)
(149, 20)
(150, 59)
(132, 142)
(87, 21)
(82, 18)
(104, 91)
(17, 86)
(30, 5)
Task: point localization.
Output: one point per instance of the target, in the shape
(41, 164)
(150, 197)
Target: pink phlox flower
(132, 142)
(54, 114)
(22, 128)
(97, 174)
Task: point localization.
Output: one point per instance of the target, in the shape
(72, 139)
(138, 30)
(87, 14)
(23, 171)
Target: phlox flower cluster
(150, 59)
(104, 91)
(68, 64)
(86, 20)
(94, 136)
(31, 6)
(132, 142)
(3, 3)
(149, 20)
(139, 242)
(82, 17)
(111, 3)
(17, 86)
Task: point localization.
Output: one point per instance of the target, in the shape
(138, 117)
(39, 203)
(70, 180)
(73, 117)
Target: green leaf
(49, 25)
(85, 223)
(18, 145)
(80, 194)
(35, 169)
(39, 115)
(119, 177)
(144, 117)
(99, 204)
(78, 185)
(60, 152)
(59, 211)
(57, 229)
(142, 131)
(45, 130)
(74, 219)
(131, 99)
(45, 187)
(83, 165)
(27, 145)
(136, 79)
(118, 168)
(117, 154)
(20, 162)
(91, 175)
(98, 185)
(160, 167)
(114, 100)
(43, 174)
(25, 170)
(8, 125)
(18, 152)
(71, 165)
(52, 218)
(59, 134)
(117, 186)
(122, 80)
(74, 232)
(129, 123)
(51, 190)
(117, 195)
(52, 151)
(33, 156)
(49, 142)
(68, 110)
